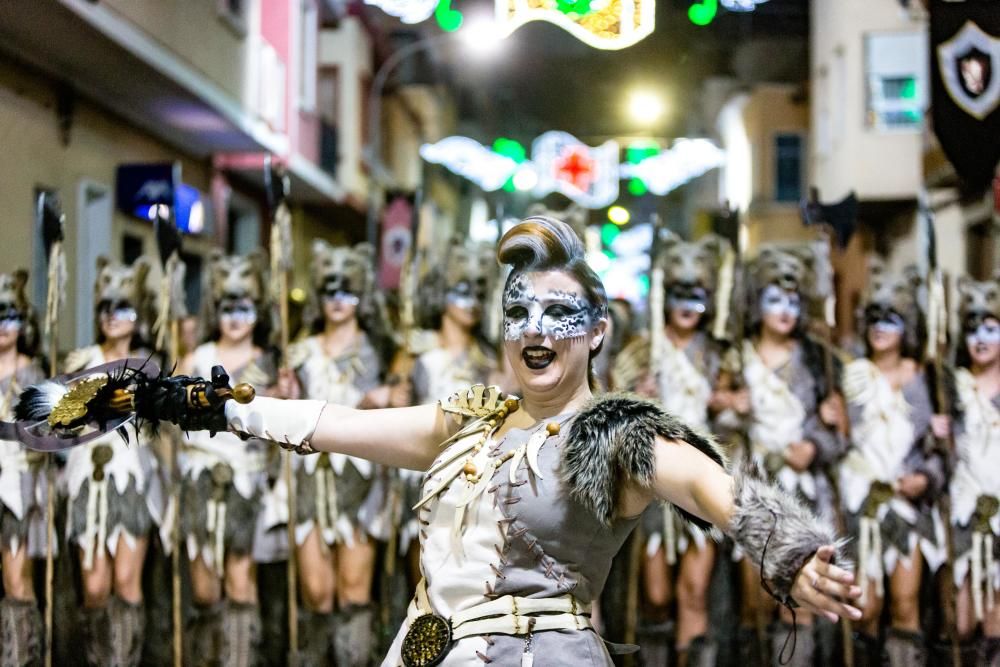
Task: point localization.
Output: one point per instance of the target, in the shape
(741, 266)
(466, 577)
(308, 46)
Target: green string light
(448, 19)
(515, 151)
(576, 7)
(636, 152)
(702, 13)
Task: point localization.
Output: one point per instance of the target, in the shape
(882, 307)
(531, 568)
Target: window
(896, 74)
(788, 167)
(308, 45)
(271, 89)
(234, 14)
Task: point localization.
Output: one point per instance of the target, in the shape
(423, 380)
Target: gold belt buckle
(986, 508)
(880, 493)
(773, 463)
(100, 456)
(427, 641)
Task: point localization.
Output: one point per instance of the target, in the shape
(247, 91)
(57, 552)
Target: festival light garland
(562, 163)
(602, 24)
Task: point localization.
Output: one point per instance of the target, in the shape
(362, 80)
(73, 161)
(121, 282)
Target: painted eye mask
(689, 298)
(987, 333)
(240, 311)
(883, 320)
(10, 318)
(337, 291)
(558, 314)
(464, 295)
(777, 301)
(118, 311)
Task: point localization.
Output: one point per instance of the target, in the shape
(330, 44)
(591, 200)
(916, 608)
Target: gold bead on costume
(552, 428)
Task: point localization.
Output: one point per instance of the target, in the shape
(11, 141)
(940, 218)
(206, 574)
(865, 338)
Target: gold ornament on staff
(52, 223)
(276, 184)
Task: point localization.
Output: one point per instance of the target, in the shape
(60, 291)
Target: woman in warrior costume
(527, 500)
(889, 477)
(340, 499)
(225, 478)
(115, 490)
(455, 355)
(689, 361)
(975, 485)
(793, 418)
(22, 482)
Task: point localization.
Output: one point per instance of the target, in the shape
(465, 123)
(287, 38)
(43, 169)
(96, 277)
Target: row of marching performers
(114, 495)
(860, 439)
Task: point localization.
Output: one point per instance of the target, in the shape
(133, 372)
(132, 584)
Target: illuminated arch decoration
(602, 24)
(562, 163)
(407, 11)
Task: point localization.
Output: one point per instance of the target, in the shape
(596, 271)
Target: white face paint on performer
(463, 304)
(983, 342)
(10, 327)
(780, 309)
(885, 331)
(550, 329)
(117, 319)
(237, 319)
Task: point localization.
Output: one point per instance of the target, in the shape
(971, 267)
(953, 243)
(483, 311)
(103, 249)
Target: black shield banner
(965, 85)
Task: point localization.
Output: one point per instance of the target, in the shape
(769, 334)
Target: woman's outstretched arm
(779, 534)
(398, 437)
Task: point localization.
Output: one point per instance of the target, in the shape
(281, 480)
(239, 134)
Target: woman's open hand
(823, 588)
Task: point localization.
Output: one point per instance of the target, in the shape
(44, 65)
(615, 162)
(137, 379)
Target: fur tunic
(225, 480)
(128, 500)
(541, 533)
(335, 493)
(23, 487)
(889, 438)
(975, 478)
(436, 376)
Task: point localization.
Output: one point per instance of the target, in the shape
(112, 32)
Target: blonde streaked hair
(541, 243)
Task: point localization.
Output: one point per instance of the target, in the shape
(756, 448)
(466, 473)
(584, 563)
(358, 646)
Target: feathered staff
(276, 185)
(937, 342)
(51, 221)
(171, 309)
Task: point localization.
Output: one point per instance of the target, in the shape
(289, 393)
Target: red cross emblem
(576, 167)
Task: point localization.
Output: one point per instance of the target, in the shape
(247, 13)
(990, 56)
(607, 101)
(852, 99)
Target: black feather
(275, 185)
(51, 220)
(168, 238)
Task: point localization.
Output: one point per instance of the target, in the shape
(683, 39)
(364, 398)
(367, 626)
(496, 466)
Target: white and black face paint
(463, 296)
(889, 323)
(987, 333)
(242, 311)
(558, 314)
(777, 301)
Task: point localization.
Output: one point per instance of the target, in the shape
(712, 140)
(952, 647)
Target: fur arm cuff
(776, 531)
(611, 441)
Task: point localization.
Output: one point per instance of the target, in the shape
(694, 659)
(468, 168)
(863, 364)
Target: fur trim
(611, 440)
(767, 518)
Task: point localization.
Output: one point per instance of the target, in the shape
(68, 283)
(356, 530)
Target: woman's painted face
(686, 305)
(983, 342)
(237, 318)
(464, 304)
(885, 329)
(117, 319)
(780, 309)
(11, 322)
(550, 329)
(340, 301)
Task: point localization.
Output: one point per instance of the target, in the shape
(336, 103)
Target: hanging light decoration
(602, 24)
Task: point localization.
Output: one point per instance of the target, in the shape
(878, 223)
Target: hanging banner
(397, 237)
(602, 24)
(965, 75)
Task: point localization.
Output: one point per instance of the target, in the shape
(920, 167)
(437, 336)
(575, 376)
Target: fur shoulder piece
(81, 358)
(611, 440)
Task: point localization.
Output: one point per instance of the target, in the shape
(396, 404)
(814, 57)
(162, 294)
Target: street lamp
(645, 107)
(478, 36)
